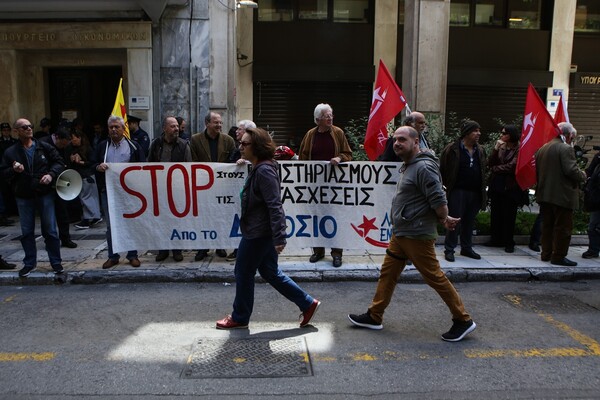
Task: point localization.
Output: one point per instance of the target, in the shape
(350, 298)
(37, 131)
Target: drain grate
(548, 303)
(248, 358)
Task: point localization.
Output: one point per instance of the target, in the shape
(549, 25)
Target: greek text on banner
(197, 205)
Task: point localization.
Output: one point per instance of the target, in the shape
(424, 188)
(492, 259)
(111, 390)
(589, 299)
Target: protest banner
(197, 205)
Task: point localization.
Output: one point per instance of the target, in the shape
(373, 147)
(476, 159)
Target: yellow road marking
(9, 298)
(592, 347)
(11, 357)
(579, 337)
(364, 357)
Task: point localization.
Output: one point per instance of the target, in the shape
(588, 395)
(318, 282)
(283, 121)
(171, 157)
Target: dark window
(511, 14)
(341, 11)
(587, 16)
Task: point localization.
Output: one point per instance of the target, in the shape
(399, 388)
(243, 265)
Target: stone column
(222, 56)
(425, 57)
(244, 55)
(386, 34)
(139, 71)
(561, 46)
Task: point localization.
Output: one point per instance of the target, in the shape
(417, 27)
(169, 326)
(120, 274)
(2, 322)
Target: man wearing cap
(45, 126)
(138, 134)
(60, 140)
(5, 142)
(212, 145)
(463, 172)
(169, 147)
(31, 166)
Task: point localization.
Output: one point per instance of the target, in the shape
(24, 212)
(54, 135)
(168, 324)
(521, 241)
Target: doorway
(85, 93)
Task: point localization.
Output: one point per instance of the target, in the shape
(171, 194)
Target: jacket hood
(424, 156)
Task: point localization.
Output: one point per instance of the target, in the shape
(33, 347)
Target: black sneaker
(84, 224)
(459, 330)
(58, 269)
(96, 221)
(589, 254)
(6, 265)
(25, 271)
(364, 321)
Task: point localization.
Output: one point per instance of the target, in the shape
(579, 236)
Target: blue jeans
(464, 204)
(45, 206)
(131, 254)
(259, 254)
(594, 232)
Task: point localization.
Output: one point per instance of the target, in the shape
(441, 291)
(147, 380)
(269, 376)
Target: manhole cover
(248, 358)
(548, 303)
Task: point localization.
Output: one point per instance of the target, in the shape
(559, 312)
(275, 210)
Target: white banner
(197, 205)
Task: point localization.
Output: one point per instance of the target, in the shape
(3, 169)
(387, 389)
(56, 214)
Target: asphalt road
(157, 341)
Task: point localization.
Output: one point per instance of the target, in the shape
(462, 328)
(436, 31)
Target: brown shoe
(135, 262)
(109, 263)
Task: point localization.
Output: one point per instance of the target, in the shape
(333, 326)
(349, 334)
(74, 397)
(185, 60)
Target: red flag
(538, 129)
(561, 114)
(388, 101)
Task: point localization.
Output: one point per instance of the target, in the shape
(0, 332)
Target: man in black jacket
(31, 166)
(6, 198)
(61, 140)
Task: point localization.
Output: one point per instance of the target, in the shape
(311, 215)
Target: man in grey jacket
(418, 205)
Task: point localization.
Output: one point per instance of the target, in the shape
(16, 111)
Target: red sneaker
(308, 314)
(229, 323)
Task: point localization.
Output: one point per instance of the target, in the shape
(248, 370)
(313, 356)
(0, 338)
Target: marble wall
(182, 63)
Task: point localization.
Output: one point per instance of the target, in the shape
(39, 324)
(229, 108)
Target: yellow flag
(119, 109)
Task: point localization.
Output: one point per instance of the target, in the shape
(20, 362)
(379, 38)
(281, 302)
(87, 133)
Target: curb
(456, 275)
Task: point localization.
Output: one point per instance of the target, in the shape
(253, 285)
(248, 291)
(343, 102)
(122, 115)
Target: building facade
(274, 63)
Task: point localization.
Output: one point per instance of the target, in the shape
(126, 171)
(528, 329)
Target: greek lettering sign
(197, 205)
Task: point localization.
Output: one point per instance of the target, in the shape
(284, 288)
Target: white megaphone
(68, 184)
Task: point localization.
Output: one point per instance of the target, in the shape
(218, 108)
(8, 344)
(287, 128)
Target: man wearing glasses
(212, 145)
(31, 166)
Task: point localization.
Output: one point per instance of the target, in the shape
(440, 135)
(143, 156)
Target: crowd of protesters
(472, 179)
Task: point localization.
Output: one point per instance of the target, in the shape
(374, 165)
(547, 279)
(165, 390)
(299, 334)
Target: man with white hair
(239, 132)
(557, 192)
(325, 142)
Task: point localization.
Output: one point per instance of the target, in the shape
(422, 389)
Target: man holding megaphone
(30, 167)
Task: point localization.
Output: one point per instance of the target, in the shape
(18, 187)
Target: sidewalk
(84, 264)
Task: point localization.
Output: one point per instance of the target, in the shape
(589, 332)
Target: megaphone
(68, 184)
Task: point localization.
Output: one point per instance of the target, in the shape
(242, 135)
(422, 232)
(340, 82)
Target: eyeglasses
(244, 144)
(327, 117)
(25, 127)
